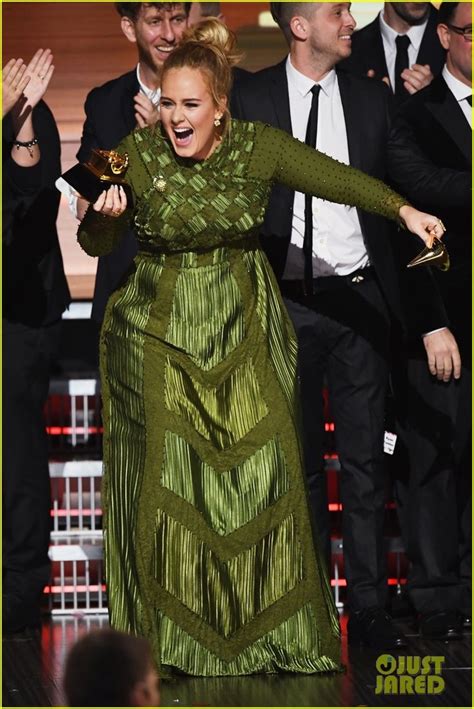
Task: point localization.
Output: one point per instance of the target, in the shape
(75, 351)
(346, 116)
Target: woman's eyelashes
(166, 103)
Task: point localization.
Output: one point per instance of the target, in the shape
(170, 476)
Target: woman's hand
(111, 203)
(423, 225)
(14, 81)
(40, 70)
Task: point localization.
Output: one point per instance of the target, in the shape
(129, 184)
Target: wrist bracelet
(28, 145)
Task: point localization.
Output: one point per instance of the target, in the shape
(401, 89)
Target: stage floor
(33, 662)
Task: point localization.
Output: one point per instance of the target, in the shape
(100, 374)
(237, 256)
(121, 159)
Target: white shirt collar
(415, 33)
(152, 94)
(459, 90)
(303, 84)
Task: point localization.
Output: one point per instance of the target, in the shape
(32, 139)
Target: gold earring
(217, 122)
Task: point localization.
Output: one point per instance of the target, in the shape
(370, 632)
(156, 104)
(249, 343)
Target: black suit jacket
(264, 97)
(35, 290)
(368, 52)
(239, 74)
(430, 159)
(110, 116)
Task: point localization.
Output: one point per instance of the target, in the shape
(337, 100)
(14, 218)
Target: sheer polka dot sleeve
(280, 158)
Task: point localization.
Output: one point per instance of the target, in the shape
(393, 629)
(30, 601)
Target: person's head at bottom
(195, 86)
(107, 668)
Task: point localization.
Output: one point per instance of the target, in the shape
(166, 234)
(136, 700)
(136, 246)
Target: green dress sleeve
(279, 157)
(98, 234)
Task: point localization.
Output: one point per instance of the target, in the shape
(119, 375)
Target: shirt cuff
(432, 332)
(70, 194)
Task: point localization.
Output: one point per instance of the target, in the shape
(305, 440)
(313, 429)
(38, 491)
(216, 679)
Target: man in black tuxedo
(430, 159)
(343, 326)
(35, 294)
(200, 10)
(400, 46)
(116, 108)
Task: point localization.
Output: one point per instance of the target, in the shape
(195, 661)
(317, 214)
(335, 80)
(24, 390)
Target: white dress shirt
(338, 244)
(66, 189)
(153, 94)
(389, 35)
(461, 93)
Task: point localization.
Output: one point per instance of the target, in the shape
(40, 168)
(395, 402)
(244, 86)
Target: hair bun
(217, 36)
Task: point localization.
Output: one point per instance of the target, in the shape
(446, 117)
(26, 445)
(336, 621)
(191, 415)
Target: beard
(413, 13)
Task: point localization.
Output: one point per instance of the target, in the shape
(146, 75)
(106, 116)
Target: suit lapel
(128, 108)
(278, 89)
(375, 50)
(431, 51)
(354, 118)
(447, 112)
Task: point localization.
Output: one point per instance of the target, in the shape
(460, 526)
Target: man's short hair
(446, 12)
(104, 667)
(210, 9)
(132, 9)
(283, 12)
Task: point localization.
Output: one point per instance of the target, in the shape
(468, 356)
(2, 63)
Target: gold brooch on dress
(159, 183)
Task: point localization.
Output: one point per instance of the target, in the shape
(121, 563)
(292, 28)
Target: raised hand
(146, 113)
(39, 70)
(14, 81)
(417, 78)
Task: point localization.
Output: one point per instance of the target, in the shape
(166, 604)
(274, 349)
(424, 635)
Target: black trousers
(432, 474)
(343, 336)
(27, 358)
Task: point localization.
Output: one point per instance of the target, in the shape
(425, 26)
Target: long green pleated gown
(209, 546)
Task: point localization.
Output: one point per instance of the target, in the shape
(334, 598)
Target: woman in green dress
(209, 544)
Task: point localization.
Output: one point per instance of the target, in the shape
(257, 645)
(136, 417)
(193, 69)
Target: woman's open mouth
(183, 136)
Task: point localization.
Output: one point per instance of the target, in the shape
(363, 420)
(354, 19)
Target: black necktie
(310, 139)
(469, 99)
(401, 63)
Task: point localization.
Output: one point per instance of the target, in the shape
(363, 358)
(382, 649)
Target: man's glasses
(465, 31)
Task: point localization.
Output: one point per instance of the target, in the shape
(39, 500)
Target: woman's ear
(221, 107)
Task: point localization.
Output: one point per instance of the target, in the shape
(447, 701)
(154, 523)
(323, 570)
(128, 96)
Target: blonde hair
(210, 47)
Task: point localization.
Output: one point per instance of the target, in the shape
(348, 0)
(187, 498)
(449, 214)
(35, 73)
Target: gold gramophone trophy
(103, 169)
